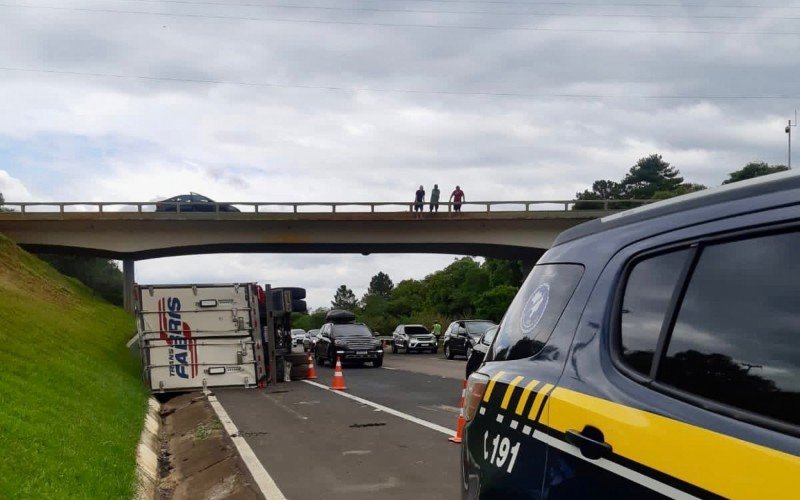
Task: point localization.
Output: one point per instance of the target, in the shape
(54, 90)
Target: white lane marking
(391, 411)
(527, 430)
(500, 419)
(614, 467)
(514, 424)
(356, 452)
(260, 475)
(390, 368)
(482, 410)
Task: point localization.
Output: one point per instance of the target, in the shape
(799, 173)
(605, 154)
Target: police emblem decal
(534, 308)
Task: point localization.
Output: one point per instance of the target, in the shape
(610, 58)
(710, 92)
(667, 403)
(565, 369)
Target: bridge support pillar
(127, 284)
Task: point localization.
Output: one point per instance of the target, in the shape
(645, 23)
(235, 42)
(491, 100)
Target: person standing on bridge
(457, 197)
(435, 198)
(419, 201)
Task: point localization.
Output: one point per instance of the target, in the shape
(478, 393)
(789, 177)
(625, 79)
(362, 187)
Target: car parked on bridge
(461, 336)
(341, 336)
(193, 202)
(410, 338)
(651, 353)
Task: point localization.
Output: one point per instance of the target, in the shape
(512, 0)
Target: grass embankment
(71, 397)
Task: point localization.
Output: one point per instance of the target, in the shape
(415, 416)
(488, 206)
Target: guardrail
(301, 207)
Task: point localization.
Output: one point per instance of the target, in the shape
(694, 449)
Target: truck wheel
(378, 362)
(447, 352)
(298, 359)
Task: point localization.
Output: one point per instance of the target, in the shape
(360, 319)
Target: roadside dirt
(198, 459)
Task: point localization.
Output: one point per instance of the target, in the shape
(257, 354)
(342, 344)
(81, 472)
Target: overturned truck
(199, 336)
(214, 335)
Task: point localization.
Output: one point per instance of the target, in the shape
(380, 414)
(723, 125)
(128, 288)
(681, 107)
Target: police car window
(736, 339)
(535, 310)
(647, 295)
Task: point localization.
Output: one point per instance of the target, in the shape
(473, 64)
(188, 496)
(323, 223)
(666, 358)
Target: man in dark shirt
(419, 200)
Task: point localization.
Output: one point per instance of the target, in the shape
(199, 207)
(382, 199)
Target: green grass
(71, 396)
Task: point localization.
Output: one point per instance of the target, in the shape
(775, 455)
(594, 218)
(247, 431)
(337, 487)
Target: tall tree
(452, 290)
(602, 190)
(2, 202)
(493, 303)
(408, 297)
(504, 272)
(380, 284)
(754, 169)
(650, 175)
(344, 299)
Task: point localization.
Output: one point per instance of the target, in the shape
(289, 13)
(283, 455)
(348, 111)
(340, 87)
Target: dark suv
(462, 336)
(651, 353)
(351, 341)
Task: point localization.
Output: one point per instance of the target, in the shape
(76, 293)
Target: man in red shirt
(457, 197)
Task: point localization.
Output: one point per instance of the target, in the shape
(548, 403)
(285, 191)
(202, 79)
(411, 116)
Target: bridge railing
(303, 207)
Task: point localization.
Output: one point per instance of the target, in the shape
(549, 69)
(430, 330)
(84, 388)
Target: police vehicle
(651, 353)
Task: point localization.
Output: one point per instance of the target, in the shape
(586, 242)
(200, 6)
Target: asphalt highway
(388, 440)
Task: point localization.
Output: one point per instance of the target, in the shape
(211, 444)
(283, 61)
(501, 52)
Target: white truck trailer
(198, 336)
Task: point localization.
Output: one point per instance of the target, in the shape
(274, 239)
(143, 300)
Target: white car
(413, 338)
(300, 340)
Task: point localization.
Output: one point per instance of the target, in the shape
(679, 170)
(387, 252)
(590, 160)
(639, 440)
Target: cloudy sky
(301, 100)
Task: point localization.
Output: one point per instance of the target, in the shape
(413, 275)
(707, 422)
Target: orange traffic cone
(312, 372)
(338, 378)
(456, 438)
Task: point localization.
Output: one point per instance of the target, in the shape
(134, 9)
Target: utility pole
(789, 134)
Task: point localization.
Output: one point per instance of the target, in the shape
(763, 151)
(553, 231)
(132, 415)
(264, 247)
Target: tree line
(652, 178)
(466, 288)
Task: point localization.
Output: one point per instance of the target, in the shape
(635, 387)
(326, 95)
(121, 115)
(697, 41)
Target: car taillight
(476, 386)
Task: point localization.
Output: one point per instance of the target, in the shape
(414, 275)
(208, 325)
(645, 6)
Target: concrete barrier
(147, 453)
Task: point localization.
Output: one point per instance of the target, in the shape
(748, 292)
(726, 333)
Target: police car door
(684, 377)
(505, 455)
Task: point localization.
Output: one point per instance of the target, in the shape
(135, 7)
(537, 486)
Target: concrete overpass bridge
(131, 231)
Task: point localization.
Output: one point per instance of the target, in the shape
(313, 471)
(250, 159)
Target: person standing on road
(419, 200)
(457, 197)
(436, 330)
(435, 199)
